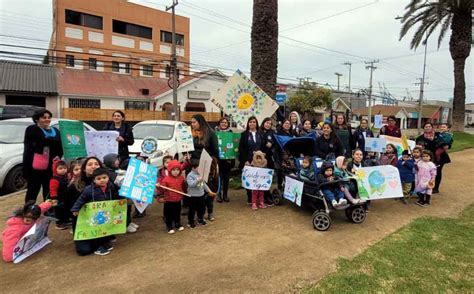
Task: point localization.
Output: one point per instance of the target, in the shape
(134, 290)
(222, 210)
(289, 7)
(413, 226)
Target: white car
(11, 151)
(164, 131)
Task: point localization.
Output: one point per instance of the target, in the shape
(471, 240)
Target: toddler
(57, 191)
(331, 191)
(341, 173)
(425, 178)
(444, 141)
(405, 167)
(371, 159)
(306, 171)
(197, 190)
(390, 157)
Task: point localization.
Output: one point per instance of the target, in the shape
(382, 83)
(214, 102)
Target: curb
(12, 194)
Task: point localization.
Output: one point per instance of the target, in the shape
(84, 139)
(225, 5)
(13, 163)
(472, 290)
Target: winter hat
(340, 161)
(109, 160)
(174, 164)
(326, 165)
(56, 163)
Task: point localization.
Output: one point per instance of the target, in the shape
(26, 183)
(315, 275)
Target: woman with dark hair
(285, 129)
(268, 147)
(203, 138)
(328, 145)
(363, 131)
(125, 137)
(391, 129)
(307, 128)
(343, 131)
(251, 140)
(41, 145)
(429, 141)
(225, 165)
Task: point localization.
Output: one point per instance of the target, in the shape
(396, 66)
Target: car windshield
(158, 131)
(13, 132)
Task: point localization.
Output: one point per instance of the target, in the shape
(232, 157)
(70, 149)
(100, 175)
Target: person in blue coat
(406, 168)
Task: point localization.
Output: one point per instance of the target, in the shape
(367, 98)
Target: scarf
(197, 134)
(51, 133)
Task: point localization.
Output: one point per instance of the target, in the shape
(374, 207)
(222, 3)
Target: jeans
(209, 204)
(224, 175)
(172, 214)
(333, 194)
(196, 206)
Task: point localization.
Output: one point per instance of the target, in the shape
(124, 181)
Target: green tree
(307, 97)
(444, 14)
(264, 38)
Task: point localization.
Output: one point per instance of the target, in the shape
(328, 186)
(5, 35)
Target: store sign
(200, 95)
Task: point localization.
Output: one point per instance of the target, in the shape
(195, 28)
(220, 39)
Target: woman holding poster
(391, 129)
(41, 145)
(125, 137)
(225, 165)
(203, 138)
(360, 134)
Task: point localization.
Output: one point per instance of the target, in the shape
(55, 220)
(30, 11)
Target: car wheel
(14, 180)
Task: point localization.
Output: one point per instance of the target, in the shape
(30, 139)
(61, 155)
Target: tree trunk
(264, 67)
(459, 101)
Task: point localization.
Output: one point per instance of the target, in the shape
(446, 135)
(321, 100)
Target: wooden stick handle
(176, 191)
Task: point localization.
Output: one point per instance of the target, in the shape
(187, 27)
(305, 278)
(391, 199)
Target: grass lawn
(462, 141)
(430, 255)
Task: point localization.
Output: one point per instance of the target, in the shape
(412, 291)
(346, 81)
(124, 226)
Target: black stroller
(311, 196)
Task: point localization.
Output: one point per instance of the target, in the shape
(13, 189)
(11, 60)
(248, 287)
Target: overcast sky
(331, 35)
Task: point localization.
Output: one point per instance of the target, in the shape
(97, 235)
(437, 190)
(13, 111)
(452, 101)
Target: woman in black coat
(251, 140)
(125, 137)
(328, 145)
(343, 131)
(268, 147)
(203, 138)
(360, 134)
(41, 145)
(429, 141)
(225, 165)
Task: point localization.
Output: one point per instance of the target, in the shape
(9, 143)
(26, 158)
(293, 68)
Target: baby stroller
(312, 196)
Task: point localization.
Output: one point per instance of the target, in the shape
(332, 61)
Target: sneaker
(202, 222)
(334, 203)
(262, 206)
(181, 228)
(131, 229)
(113, 240)
(254, 206)
(101, 251)
(435, 191)
(134, 225)
(211, 217)
(226, 199)
(249, 203)
(420, 203)
(108, 246)
(191, 226)
(61, 227)
(171, 231)
(356, 201)
(342, 201)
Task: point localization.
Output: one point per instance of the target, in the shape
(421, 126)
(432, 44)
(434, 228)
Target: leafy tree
(307, 97)
(445, 14)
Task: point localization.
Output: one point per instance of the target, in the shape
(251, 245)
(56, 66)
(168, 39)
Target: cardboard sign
(379, 182)
(72, 139)
(256, 178)
(293, 190)
(101, 143)
(100, 219)
(375, 144)
(204, 167)
(378, 121)
(184, 138)
(399, 143)
(33, 241)
(139, 182)
(228, 144)
(241, 98)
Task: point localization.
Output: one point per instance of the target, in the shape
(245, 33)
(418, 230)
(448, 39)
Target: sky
(316, 38)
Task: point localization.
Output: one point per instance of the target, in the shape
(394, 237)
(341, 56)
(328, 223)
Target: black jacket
(211, 146)
(268, 137)
(359, 139)
(93, 193)
(35, 142)
(432, 146)
(126, 133)
(331, 146)
(247, 146)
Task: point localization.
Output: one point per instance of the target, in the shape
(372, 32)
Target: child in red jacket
(17, 226)
(172, 207)
(57, 191)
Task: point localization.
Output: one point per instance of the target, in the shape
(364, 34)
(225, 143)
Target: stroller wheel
(276, 195)
(321, 220)
(356, 214)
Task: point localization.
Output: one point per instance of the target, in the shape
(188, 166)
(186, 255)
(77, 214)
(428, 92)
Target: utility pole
(174, 64)
(350, 74)
(422, 89)
(338, 77)
(372, 68)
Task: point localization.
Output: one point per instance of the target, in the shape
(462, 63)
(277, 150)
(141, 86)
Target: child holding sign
(100, 190)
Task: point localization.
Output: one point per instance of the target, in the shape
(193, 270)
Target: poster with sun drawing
(72, 139)
(379, 182)
(241, 98)
(140, 180)
(100, 219)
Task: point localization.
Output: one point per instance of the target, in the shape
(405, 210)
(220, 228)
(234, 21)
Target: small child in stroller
(341, 172)
(332, 191)
(287, 162)
(306, 171)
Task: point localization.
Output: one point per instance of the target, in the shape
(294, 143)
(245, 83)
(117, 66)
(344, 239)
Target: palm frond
(444, 29)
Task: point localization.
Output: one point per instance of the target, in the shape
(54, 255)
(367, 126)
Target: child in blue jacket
(405, 167)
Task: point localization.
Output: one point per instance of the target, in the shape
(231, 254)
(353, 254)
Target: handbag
(41, 160)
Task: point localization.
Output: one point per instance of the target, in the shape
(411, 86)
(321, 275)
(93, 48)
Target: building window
(147, 70)
(131, 29)
(83, 19)
(121, 67)
(84, 103)
(195, 107)
(92, 63)
(167, 37)
(137, 105)
(70, 60)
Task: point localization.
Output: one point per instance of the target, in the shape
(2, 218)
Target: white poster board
(140, 206)
(379, 182)
(101, 143)
(378, 121)
(398, 142)
(184, 139)
(204, 167)
(256, 178)
(375, 144)
(33, 241)
(293, 190)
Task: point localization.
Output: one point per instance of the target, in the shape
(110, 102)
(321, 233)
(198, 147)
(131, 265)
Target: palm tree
(264, 38)
(453, 14)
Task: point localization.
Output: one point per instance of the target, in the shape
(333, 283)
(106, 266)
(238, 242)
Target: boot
(219, 198)
(428, 199)
(421, 200)
(226, 198)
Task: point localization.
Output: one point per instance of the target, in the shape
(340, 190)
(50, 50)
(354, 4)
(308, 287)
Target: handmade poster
(33, 241)
(139, 182)
(378, 182)
(293, 190)
(100, 219)
(375, 144)
(399, 143)
(185, 139)
(204, 167)
(256, 178)
(241, 98)
(378, 121)
(228, 144)
(140, 206)
(101, 143)
(72, 139)
(149, 145)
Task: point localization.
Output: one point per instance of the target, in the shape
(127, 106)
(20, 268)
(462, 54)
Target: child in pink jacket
(425, 178)
(17, 225)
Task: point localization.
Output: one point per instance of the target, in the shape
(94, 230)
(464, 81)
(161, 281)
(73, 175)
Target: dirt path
(273, 250)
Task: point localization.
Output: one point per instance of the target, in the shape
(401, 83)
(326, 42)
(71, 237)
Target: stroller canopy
(299, 145)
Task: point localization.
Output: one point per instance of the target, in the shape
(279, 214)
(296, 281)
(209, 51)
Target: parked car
(17, 111)
(11, 152)
(165, 131)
